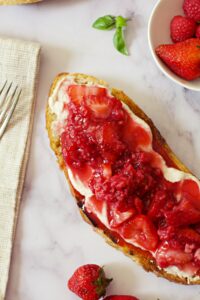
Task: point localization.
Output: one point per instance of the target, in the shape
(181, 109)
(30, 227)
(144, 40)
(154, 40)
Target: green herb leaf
(121, 21)
(109, 22)
(119, 41)
(105, 23)
(198, 46)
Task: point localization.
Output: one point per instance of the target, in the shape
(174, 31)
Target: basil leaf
(119, 41)
(105, 23)
(121, 21)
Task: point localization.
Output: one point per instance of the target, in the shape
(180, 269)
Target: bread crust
(140, 256)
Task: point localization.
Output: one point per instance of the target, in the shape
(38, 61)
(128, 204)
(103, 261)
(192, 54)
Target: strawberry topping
(141, 231)
(112, 154)
(78, 93)
(167, 255)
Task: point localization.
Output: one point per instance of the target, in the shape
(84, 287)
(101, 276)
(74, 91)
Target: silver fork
(9, 97)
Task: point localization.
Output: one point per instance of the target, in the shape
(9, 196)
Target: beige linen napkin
(19, 64)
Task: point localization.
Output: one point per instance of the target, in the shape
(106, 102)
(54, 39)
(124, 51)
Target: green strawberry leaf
(101, 283)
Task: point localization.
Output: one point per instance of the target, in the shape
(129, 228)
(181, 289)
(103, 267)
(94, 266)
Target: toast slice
(14, 2)
(138, 254)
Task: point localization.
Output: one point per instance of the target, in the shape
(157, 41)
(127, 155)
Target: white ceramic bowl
(159, 33)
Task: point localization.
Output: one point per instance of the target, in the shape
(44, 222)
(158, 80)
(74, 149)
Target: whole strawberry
(198, 32)
(182, 58)
(192, 9)
(89, 282)
(182, 28)
(115, 297)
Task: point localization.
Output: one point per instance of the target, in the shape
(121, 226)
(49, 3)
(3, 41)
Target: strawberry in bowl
(182, 58)
(176, 35)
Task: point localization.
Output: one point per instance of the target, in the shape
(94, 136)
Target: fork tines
(9, 97)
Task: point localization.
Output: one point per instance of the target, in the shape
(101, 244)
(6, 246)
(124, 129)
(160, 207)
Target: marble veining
(52, 240)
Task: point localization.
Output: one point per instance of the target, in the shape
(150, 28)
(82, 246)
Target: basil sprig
(118, 23)
(105, 23)
(119, 41)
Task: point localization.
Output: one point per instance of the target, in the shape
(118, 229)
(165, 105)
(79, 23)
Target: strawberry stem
(101, 283)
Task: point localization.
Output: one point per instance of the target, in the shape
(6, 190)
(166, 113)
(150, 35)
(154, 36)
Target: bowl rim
(168, 73)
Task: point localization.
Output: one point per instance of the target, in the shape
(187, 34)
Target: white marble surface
(52, 240)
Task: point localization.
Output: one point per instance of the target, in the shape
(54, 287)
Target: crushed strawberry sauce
(112, 155)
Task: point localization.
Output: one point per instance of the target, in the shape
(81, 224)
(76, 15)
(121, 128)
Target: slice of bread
(14, 2)
(140, 256)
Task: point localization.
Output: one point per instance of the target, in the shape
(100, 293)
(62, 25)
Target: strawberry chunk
(94, 205)
(101, 106)
(119, 214)
(107, 170)
(79, 92)
(138, 204)
(135, 135)
(183, 214)
(187, 211)
(141, 231)
(190, 190)
(166, 233)
(76, 93)
(108, 135)
(157, 204)
(118, 217)
(191, 268)
(76, 151)
(108, 139)
(96, 99)
(168, 256)
(188, 235)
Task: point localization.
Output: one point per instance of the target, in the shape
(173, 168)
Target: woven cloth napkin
(19, 61)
